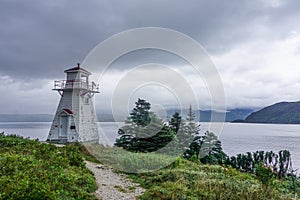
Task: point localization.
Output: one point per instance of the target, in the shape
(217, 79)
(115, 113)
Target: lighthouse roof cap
(78, 68)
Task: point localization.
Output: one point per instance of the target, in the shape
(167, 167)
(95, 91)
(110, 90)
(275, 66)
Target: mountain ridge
(278, 113)
(205, 116)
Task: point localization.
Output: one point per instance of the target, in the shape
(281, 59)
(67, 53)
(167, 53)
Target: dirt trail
(113, 185)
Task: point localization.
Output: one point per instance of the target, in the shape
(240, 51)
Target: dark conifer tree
(143, 130)
(189, 135)
(175, 122)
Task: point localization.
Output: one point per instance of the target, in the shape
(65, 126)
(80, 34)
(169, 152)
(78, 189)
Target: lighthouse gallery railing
(75, 84)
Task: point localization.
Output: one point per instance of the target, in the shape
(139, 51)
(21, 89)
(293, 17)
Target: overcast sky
(254, 44)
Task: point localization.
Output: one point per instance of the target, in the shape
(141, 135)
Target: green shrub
(264, 174)
(32, 170)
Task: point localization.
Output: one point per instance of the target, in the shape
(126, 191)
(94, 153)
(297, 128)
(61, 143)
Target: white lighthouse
(75, 119)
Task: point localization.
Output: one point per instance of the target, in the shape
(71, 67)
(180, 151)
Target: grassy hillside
(33, 170)
(184, 179)
(187, 180)
(284, 113)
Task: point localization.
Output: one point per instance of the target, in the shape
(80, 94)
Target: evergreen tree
(189, 136)
(207, 147)
(140, 114)
(143, 130)
(192, 129)
(211, 151)
(280, 163)
(139, 117)
(285, 163)
(194, 147)
(175, 122)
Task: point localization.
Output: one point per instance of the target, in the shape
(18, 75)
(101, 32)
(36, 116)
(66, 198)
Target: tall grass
(129, 162)
(187, 180)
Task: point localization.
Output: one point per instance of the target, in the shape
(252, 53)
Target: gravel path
(113, 185)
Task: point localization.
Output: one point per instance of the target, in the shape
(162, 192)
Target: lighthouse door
(63, 126)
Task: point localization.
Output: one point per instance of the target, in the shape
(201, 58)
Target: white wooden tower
(75, 119)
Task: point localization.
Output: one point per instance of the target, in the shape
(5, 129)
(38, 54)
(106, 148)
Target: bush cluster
(279, 163)
(33, 170)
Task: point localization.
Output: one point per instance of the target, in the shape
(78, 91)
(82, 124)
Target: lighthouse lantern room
(75, 118)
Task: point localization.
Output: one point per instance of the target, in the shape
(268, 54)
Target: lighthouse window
(86, 101)
(84, 78)
(72, 127)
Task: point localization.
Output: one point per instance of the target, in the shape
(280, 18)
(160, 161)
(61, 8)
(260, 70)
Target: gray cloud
(39, 36)
(39, 39)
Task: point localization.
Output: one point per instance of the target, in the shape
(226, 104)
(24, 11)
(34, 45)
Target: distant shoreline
(239, 121)
(233, 122)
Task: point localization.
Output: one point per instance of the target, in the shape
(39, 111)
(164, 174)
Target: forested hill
(205, 115)
(279, 113)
